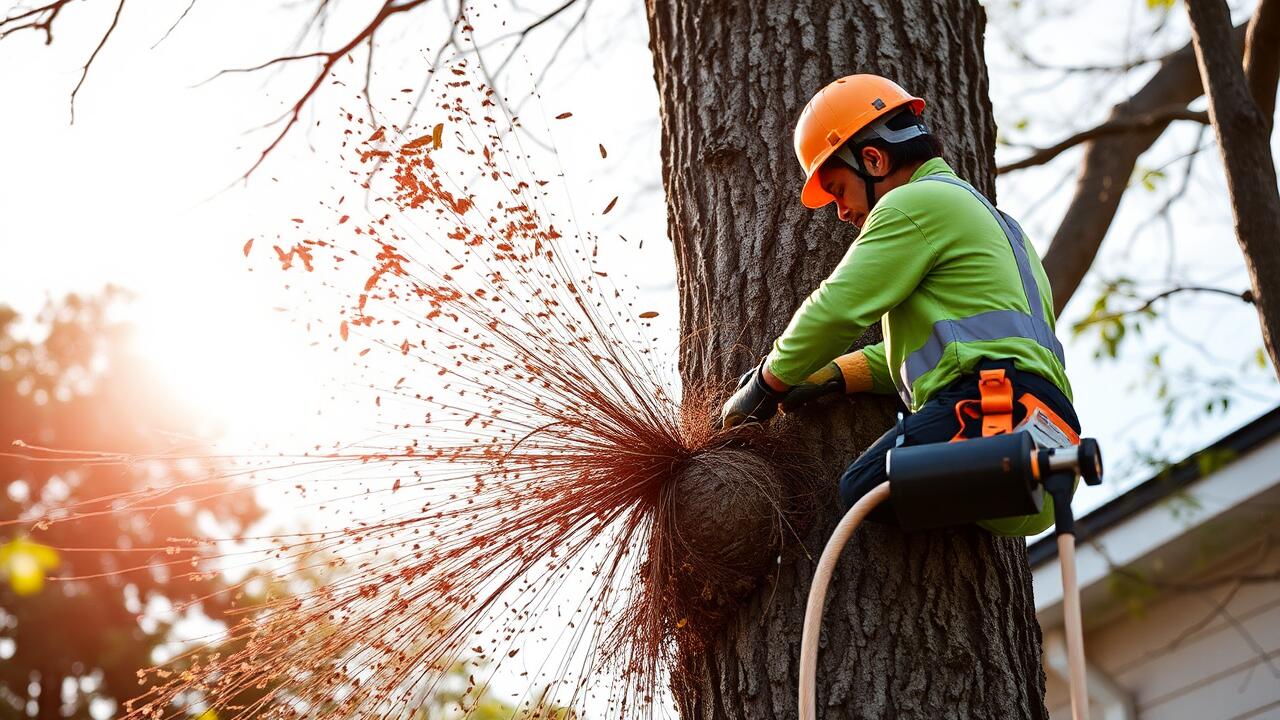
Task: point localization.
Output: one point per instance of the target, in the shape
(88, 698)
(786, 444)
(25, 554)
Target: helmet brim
(812, 195)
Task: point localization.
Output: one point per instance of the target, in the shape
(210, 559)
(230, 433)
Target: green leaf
(1210, 460)
(1150, 177)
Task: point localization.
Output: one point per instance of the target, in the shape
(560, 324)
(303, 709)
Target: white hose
(818, 595)
(827, 565)
(1074, 627)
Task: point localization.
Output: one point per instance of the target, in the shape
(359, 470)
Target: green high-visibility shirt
(952, 283)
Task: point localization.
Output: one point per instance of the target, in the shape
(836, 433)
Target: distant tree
(81, 634)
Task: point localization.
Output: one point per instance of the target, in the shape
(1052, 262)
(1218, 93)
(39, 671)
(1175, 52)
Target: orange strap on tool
(995, 408)
(997, 402)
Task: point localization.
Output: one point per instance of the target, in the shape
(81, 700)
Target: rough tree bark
(1244, 136)
(936, 625)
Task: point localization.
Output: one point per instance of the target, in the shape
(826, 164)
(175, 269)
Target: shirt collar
(932, 166)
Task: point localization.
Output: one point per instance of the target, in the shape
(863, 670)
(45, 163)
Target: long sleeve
(881, 378)
(881, 268)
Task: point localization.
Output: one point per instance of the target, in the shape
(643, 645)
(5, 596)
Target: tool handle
(1074, 626)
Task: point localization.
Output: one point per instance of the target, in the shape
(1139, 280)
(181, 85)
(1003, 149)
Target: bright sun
(249, 373)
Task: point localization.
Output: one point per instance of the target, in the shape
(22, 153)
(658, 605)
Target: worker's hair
(916, 150)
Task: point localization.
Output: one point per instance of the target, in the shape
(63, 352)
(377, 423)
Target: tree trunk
(1244, 136)
(932, 625)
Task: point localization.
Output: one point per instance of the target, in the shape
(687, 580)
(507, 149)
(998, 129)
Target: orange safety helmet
(837, 113)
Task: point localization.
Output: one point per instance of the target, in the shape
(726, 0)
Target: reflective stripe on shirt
(993, 325)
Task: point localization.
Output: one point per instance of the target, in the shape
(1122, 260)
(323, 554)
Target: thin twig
(174, 25)
(115, 20)
(1245, 296)
(1114, 126)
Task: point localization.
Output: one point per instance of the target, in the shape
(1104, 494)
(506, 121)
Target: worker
(964, 303)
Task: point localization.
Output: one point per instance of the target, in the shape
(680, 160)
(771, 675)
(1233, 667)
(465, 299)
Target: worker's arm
(879, 271)
(878, 365)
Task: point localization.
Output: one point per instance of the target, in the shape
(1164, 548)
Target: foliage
(113, 590)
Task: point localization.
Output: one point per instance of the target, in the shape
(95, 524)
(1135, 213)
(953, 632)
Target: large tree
(918, 626)
(930, 625)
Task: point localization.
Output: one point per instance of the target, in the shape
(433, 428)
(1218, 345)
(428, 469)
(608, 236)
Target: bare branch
(1107, 166)
(115, 20)
(523, 34)
(331, 58)
(368, 82)
(273, 61)
(1116, 125)
(37, 18)
(1244, 296)
(586, 7)
(1262, 56)
(1244, 139)
(1026, 57)
(175, 24)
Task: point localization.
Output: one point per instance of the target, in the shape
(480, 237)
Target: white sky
(135, 193)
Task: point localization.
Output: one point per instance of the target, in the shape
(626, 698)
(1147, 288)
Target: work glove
(754, 400)
(828, 380)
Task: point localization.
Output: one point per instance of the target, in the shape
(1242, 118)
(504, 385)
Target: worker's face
(848, 189)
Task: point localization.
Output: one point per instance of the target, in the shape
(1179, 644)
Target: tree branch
(1108, 164)
(175, 24)
(1244, 296)
(523, 34)
(1262, 56)
(1244, 137)
(331, 58)
(115, 20)
(42, 17)
(37, 18)
(1145, 121)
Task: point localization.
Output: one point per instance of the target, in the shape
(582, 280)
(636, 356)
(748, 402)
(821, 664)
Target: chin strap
(852, 156)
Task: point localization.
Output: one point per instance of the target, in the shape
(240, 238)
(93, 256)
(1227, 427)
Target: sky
(142, 191)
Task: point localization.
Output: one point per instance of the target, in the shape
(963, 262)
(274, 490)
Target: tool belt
(993, 413)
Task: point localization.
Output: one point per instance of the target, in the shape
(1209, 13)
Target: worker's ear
(876, 161)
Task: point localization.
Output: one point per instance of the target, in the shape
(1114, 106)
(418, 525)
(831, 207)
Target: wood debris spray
(537, 446)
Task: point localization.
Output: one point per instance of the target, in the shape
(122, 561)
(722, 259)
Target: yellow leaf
(26, 563)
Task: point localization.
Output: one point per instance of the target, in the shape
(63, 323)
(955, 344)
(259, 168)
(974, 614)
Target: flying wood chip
(564, 115)
(603, 153)
(609, 207)
(247, 247)
(648, 315)
(437, 136)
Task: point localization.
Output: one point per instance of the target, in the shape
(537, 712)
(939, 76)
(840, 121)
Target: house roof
(1164, 484)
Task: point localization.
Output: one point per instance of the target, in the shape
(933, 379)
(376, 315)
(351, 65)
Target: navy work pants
(936, 422)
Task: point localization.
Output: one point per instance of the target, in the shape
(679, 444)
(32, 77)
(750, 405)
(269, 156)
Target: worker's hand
(828, 380)
(754, 401)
